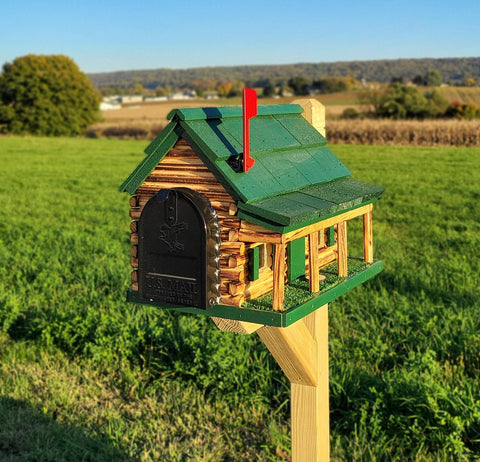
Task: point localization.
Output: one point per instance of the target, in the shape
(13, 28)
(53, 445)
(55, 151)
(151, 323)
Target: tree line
(454, 71)
(294, 86)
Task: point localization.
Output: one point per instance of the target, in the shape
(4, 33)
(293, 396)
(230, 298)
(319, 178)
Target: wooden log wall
(181, 167)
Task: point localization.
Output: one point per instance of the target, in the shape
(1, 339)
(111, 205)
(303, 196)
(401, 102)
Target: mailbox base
(278, 318)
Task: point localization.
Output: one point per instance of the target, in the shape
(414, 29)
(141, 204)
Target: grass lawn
(86, 376)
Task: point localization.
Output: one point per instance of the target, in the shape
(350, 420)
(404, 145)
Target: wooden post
(368, 237)
(342, 249)
(310, 405)
(278, 276)
(313, 269)
(301, 350)
(314, 112)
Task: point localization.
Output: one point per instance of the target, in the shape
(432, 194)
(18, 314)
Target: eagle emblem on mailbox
(169, 235)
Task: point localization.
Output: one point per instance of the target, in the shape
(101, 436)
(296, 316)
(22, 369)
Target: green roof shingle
(296, 178)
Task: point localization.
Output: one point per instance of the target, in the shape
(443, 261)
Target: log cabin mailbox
(257, 242)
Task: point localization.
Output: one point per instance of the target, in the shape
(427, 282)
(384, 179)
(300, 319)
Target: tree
(331, 85)
(469, 82)
(237, 88)
(299, 84)
(269, 88)
(398, 79)
(436, 104)
(399, 101)
(434, 78)
(202, 86)
(46, 95)
(224, 88)
(163, 91)
(138, 89)
(419, 80)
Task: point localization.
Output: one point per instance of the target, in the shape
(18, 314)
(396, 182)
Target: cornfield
(131, 130)
(361, 131)
(409, 132)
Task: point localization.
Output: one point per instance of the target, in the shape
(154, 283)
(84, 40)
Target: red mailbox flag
(249, 103)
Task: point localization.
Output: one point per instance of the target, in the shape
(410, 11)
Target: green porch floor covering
(299, 301)
(310, 204)
(297, 292)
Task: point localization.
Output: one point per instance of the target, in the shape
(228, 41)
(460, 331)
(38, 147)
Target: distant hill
(453, 70)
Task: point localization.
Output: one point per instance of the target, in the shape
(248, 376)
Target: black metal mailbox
(179, 250)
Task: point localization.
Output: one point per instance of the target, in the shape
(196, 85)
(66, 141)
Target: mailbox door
(177, 264)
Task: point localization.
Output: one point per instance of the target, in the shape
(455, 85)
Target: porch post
(368, 237)
(342, 249)
(313, 269)
(278, 276)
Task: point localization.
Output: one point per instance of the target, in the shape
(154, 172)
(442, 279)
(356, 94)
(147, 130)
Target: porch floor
(299, 301)
(297, 292)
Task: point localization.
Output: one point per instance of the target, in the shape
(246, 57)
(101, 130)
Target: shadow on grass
(26, 434)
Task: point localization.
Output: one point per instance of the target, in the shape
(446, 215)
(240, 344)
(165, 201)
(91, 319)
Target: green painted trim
(266, 318)
(275, 318)
(206, 113)
(160, 138)
(156, 153)
(254, 263)
(260, 221)
(299, 312)
(296, 259)
(286, 229)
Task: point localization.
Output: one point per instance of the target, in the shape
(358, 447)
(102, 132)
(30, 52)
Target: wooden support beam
(326, 223)
(239, 327)
(279, 277)
(295, 351)
(310, 404)
(368, 237)
(255, 233)
(247, 235)
(313, 269)
(342, 249)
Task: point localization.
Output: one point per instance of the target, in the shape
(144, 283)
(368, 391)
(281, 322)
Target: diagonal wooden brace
(295, 351)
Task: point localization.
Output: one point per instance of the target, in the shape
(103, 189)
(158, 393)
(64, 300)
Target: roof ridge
(224, 112)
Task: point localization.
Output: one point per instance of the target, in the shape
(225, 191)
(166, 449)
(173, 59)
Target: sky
(107, 35)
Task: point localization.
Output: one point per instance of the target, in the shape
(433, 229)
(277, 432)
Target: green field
(466, 95)
(86, 376)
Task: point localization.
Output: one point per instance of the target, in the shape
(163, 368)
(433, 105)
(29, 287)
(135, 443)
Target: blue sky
(110, 35)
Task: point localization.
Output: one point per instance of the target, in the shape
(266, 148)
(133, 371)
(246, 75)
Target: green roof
(296, 178)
